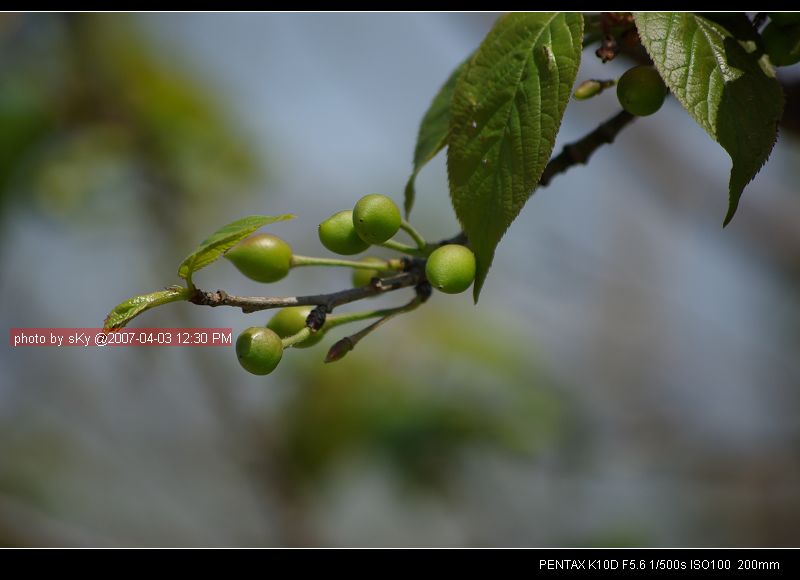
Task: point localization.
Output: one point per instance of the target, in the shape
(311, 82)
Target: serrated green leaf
(505, 113)
(123, 313)
(223, 240)
(727, 90)
(433, 130)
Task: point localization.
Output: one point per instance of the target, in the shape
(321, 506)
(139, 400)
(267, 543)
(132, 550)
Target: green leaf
(731, 93)
(433, 130)
(505, 114)
(223, 240)
(123, 313)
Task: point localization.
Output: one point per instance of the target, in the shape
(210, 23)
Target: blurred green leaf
(72, 80)
(25, 121)
(178, 121)
(463, 392)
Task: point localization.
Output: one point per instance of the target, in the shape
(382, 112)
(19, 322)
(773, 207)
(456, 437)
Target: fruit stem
(348, 343)
(403, 248)
(415, 235)
(302, 335)
(334, 320)
(384, 266)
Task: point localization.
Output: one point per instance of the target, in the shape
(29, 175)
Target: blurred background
(630, 376)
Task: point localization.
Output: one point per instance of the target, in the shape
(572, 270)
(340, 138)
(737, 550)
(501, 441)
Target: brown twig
(329, 301)
(348, 343)
(579, 152)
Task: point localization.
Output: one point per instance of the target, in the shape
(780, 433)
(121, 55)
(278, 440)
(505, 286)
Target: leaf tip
(730, 214)
(734, 196)
(409, 194)
(478, 286)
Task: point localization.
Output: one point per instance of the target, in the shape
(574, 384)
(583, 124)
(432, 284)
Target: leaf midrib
(518, 82)
(504, 138)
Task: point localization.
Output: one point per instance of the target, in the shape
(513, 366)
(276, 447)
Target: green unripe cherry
(259, 350)
(338, 234)
(262, 257)
(641, 91)
(376, 218)
(451, 268)
(289, 321)
(362, 277)
(782, 43)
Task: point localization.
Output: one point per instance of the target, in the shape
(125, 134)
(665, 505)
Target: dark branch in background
(579, 152)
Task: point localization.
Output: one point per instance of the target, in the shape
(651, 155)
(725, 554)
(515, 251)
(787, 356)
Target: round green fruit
(338, 234)
(289, 321)
(363, 277)
(451, 268)
(376, 218)
(641, 91)
(262, 257)
(259, 350)
(782, 44)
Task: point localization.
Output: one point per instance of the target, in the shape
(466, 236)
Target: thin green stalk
(348, 343)
(334, 320)
(403, 248)
(385, 266)
(304, 334)
(415, 235)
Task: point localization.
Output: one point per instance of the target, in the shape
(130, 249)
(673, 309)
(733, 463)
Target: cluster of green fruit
(374, 221)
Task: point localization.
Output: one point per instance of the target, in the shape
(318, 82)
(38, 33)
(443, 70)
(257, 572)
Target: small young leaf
(728, 90)
(505, 113)
(223, 240)
(433, 129)
(123, 313)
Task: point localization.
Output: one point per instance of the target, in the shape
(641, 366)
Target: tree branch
(579, 152)
(329, 301)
